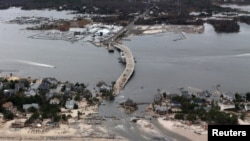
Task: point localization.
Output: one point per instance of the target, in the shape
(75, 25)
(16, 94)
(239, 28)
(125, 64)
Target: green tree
(237, 97)
(8, 115)
(75, 106)
(64, 117)
(248, 96)
(191, 117)
(164, 95)
(179, 116)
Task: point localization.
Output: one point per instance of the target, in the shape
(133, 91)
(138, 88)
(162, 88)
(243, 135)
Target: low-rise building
(27, 106)
(54, 101)
(8, 106)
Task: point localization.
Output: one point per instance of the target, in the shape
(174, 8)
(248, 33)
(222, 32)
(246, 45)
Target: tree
(77, 97)
(191, 117)
(179, 116)
(64, 117)
(8, 115)
(248, 96)
(164, 95)
(75, 106)
(237, 97)
(32, 110)
(243, 116)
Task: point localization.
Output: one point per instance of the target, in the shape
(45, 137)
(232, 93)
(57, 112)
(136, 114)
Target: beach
(184, 130)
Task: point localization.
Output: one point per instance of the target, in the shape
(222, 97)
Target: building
(27, 106)
(161, 110)
(70, 104)
(8, 106)
(78, 31)
(54, 101)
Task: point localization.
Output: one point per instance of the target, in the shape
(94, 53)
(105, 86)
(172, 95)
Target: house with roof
(9, 92)
(161, 110)
(247, 107)
(30, 92)
(47, 84)
(54, 101)
(70, 104)
(8, 106)
(27, 106)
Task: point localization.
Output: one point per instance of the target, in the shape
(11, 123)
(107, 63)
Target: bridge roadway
(128, 71)
(130, 62)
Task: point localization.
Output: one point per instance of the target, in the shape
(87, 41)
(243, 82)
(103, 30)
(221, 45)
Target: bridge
(129, 58)
(128, 71)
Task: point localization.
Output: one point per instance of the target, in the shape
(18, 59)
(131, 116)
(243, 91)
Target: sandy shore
(154, 29)
(184, 130)
(75, 130)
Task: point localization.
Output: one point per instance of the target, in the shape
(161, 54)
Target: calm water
(76, 62)
(200, 61)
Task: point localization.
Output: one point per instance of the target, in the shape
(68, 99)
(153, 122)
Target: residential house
(104, 88)
(247, 107)
(30, 92)
(9, 92)
(8, 106)
(49, 95)
(175, 104)
(68, 88)
(44, 86)
(47, 84)
(161, 110)
(186, 94)
(27, 106)
(54, 101)
(19, 86)
(70, 104)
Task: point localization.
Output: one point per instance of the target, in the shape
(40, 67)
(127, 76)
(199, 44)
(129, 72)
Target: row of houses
(198, 97)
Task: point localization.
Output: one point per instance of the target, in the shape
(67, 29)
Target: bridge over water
(128, 71)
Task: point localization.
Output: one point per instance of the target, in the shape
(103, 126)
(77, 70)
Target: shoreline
(183, 130)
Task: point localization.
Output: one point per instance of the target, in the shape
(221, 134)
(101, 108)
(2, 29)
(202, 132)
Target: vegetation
(192, 112)
(226, 26)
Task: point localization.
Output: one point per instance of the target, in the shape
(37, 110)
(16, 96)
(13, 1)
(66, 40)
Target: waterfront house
(161, 110)
(105, 88)
(47, 84)
(44, 86)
